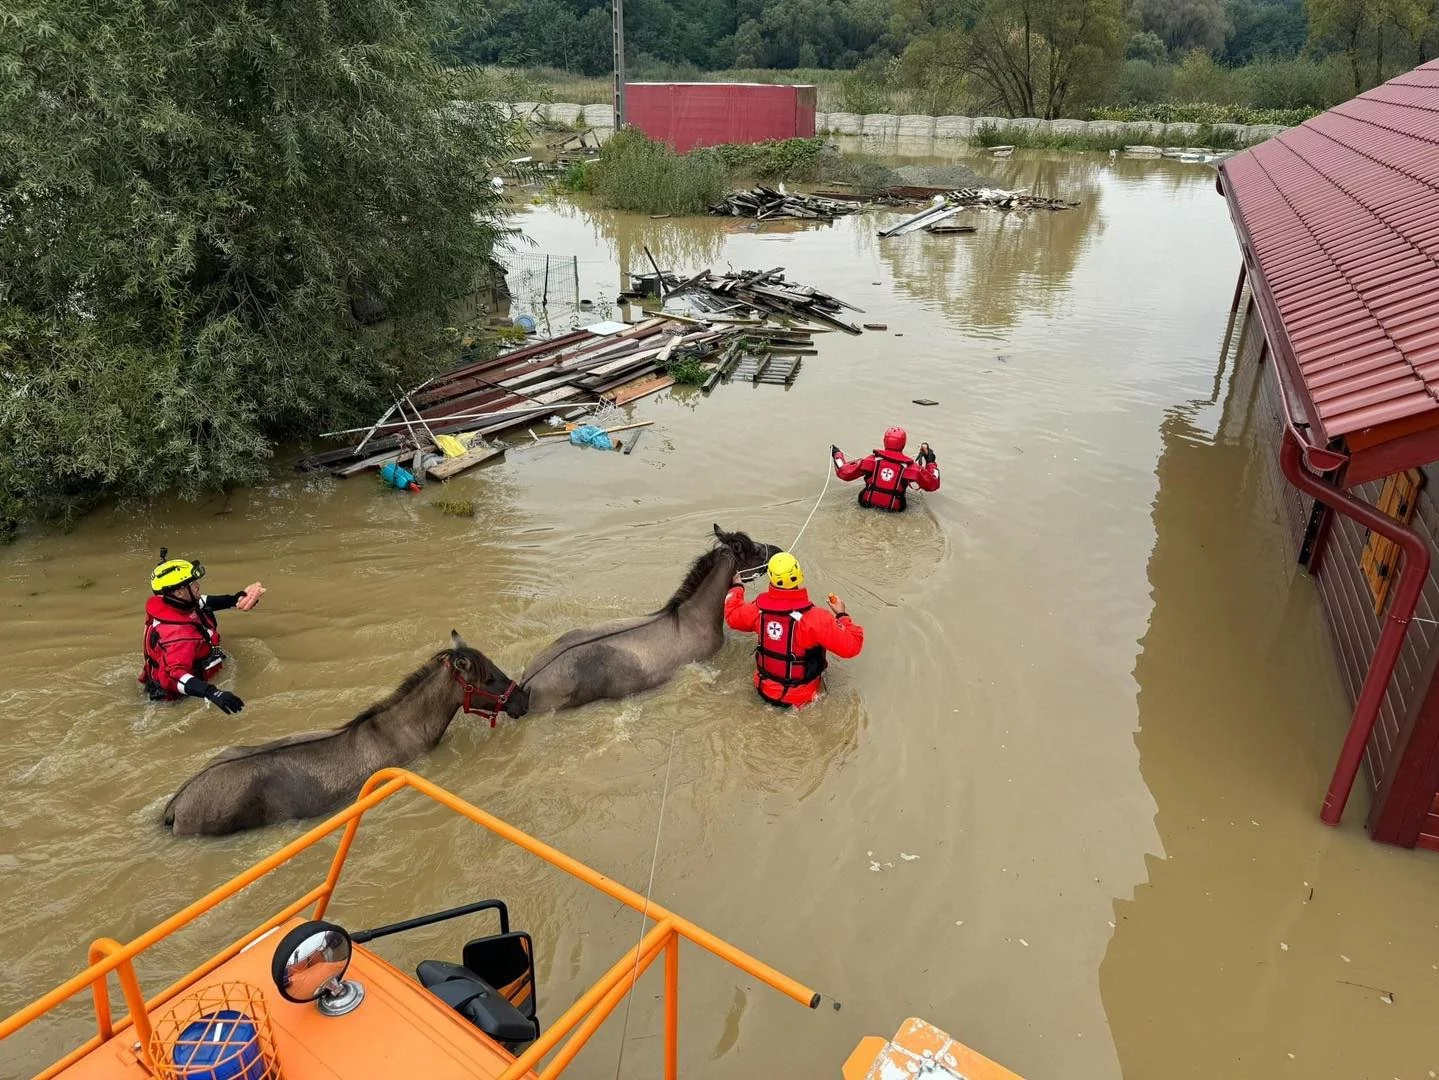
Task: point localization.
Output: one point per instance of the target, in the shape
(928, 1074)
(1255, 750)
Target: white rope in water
(828, 476)
(644, 914)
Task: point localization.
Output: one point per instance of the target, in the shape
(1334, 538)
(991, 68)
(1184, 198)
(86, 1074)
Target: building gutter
(1304, 463)
(1412, 575)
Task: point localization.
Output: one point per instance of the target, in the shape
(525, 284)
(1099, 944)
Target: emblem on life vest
(887, 475)
(774, 630)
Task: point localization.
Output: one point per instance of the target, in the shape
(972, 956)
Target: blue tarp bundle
(590, 435)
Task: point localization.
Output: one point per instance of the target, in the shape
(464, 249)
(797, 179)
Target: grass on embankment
(988, 135)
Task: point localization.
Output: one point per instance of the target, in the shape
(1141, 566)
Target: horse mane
(412, 681)
(698, 571)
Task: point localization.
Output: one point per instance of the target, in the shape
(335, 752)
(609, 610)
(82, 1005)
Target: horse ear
(719, 532)
(457, 641)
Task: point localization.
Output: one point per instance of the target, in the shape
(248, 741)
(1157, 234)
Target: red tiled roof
(1341, 215)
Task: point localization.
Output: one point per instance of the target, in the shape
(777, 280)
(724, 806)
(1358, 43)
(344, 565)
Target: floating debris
(455, 507)
(947, 205)
(767, 204)
(747, 296)
(442, 427)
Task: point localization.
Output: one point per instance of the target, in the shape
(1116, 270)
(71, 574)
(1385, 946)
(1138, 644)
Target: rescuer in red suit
(794, 635)
(888, 472)
(181, 646)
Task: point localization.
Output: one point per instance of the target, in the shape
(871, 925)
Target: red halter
(467, 706)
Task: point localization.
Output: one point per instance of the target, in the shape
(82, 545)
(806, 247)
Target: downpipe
(1412, 575)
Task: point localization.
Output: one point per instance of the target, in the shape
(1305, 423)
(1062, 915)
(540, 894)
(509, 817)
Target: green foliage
(673, 40)
(1147, 46)
(686, 370)
(787, 159)
(988, 135)
(1200, 113)
(1184, 25)
(577, 177)
(1025, 57)
(455, 507)
(636, 173)
(224, 224)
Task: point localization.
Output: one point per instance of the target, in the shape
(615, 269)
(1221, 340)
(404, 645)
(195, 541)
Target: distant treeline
(1021, 57)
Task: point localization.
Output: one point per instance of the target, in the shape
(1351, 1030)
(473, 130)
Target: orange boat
(318, 1004)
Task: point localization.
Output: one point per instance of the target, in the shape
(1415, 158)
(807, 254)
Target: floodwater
(1064, 805)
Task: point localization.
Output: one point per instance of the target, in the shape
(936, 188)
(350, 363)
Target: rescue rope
(644, 913)
(828, 476)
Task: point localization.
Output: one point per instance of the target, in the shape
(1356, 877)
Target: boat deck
(399, 1029)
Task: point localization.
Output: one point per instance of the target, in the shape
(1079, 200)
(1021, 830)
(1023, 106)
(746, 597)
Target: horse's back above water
(629, 656)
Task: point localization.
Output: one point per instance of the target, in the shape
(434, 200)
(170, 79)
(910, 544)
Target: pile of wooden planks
(568, 375)
(750, 295)
(767, 204)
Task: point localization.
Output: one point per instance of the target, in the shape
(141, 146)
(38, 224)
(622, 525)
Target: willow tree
(1024, 57)
(205, 210)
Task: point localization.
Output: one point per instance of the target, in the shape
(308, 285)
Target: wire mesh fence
(546, 288)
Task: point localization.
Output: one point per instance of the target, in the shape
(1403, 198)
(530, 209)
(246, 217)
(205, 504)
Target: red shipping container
(687, 115)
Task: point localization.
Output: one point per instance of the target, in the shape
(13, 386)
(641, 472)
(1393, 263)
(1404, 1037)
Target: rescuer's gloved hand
(226, 702)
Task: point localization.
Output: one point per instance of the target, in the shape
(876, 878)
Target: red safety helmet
(895, 438)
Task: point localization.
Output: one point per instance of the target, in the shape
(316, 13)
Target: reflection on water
(1279, 941)
(952, 831)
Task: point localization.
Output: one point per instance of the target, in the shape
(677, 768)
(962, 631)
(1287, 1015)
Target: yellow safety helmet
(172, 573)
(784, 571)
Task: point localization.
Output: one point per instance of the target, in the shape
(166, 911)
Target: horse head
(487, 689)
(750, 556)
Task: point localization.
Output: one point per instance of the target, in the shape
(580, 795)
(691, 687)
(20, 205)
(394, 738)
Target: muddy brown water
(1063, 805)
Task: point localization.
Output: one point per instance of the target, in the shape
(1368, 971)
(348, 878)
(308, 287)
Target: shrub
(1200, 113)
(636, 173)
(775, 160)
(686, 370)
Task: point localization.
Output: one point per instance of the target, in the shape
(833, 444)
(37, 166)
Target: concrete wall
(885, 126)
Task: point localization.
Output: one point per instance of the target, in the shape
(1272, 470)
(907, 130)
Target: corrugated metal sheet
(689, 115)
(1342, 215)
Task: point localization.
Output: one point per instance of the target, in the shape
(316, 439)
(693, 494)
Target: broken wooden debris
(751, 295)
(949, 228)
(766, 318)
(925, 401)
(951, 203)
(767, 204)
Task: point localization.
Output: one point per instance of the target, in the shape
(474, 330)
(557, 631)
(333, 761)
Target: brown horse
(628, 656)
(304, 776)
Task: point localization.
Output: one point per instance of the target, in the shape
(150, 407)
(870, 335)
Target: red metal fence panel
(690, 115)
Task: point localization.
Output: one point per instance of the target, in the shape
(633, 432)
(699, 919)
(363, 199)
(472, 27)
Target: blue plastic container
(222, 1045)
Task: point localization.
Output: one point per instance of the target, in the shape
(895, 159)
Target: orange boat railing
(582, 1018)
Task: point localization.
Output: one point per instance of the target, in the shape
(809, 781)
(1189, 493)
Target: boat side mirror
(507, 962)
(310, 964)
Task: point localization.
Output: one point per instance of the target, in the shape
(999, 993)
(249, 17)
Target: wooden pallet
(775, 370)
(781, 370)
(751, 368)
(451, 466)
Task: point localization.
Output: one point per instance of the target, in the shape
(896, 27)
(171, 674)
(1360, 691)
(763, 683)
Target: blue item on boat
(222, 1045)
(590, 435)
